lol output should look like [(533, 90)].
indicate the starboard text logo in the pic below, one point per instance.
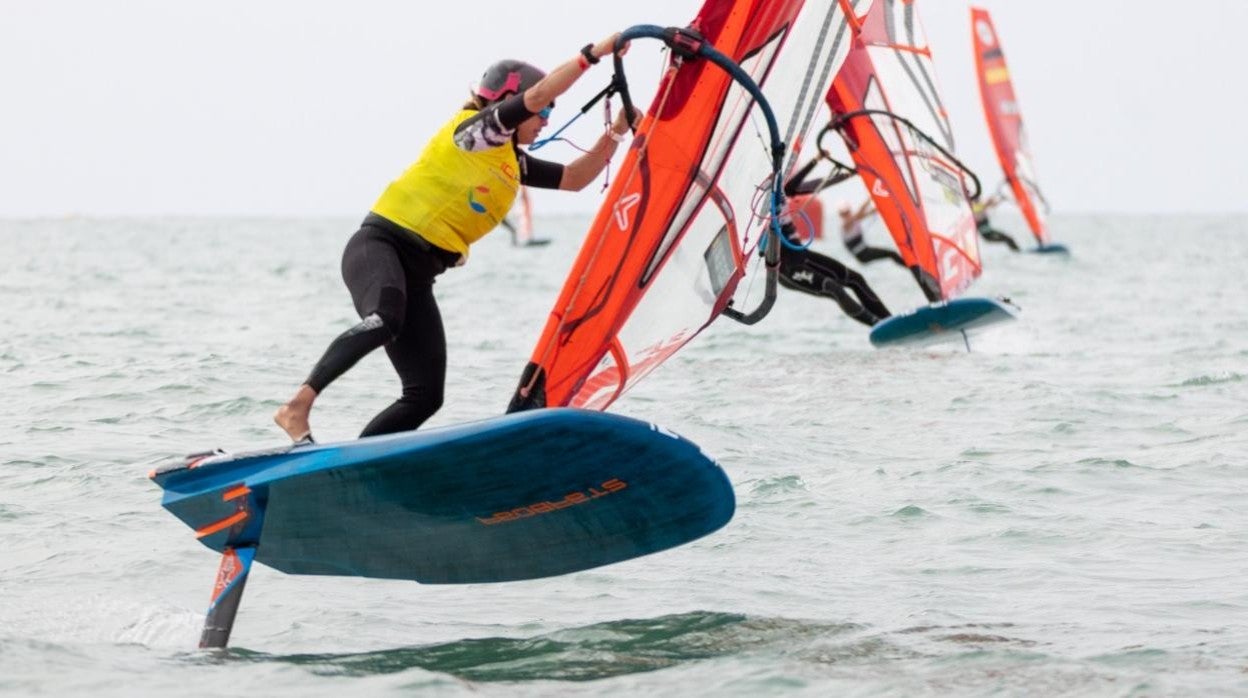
[(571, 499)]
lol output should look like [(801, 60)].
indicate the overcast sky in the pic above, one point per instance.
[(298, 107)]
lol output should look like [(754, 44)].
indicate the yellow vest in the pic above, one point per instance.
[(452, 197)]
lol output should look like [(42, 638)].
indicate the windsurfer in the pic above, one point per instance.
[(459, 189), (819, 275), (511, 229), (851, 233), (521, 230), (980, 208)]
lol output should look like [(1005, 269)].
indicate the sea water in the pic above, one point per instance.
[(1059, 511)]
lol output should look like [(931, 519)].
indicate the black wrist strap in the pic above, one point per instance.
[(588, 52)]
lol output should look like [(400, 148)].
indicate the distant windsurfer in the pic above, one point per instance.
[(459, 189), (819, 275), (852, 233), (522, 232), (511, 229), (980, 208)]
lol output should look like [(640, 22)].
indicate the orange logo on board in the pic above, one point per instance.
[(571, 499), (226, 573)]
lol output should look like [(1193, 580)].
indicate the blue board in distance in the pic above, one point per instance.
[(527, 495), (1056, 248), (940, 322)]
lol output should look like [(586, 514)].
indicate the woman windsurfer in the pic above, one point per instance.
[(459, 189)]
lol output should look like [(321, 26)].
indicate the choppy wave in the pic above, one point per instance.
[(1056, 512), (1214, 379), (593, 652)]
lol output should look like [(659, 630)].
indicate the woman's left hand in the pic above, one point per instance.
[(620, 125), (607, 46)]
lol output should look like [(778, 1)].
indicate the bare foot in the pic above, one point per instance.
[(293, 416)]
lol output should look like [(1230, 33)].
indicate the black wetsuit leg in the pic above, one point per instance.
[(867, 255), (419, 356), (390, 277), (987, 232), (511, 229), (992, 235), (374, 275), (819, 275)]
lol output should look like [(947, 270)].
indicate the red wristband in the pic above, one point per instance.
[(584, 64)]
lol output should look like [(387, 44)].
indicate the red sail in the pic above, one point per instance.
[(675, 232), (919, 192), (1005, 122)]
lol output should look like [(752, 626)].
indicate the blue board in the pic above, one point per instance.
[(1052, 248), (527, 495), (940, 321)]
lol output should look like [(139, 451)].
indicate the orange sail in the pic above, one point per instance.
[(1005, 122), (906, 163), (672, 239)]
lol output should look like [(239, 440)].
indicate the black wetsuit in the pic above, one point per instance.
[(866, 254), (820, 275), (991, 234), (390, 274), (390, 271), (511, 229), (798, 185)]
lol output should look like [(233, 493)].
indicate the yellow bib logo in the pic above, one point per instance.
[(472, 201)]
